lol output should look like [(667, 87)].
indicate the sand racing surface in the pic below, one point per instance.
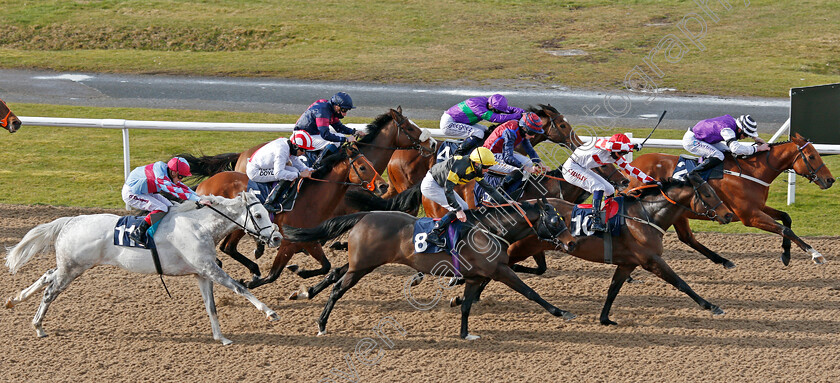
[(782, 324)]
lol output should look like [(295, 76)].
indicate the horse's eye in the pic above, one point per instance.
[(258, 216), (811, 157), (362, 168)]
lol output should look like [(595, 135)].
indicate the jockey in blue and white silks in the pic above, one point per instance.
[(142, 190), (322, 114), (712, 137)]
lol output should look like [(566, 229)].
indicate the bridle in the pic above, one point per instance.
[(4, 123), (367, 185), (543, 232), (812, 172), (249, 217), (416, 144)]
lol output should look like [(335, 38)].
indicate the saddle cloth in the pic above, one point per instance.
[(423, 227), (687, 163), (581, 225), (446, 149), (127, 224)]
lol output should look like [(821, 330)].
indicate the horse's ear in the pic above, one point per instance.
[(399, 109)]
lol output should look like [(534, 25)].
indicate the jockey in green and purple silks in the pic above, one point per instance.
[(462, 120)]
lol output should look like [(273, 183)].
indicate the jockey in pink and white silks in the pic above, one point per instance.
[(462, 119), (711, 138), (577, 170), (142, 191), (279, 160)]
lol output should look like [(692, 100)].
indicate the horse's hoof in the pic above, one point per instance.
[(416, 279), (273, 317), (785, 259), (455, 302), (471, 337), (634, 280), (225, 341), (293, 268), (608, 322), (293, 296), (729, 265), (9, 303), (717, 311), (40, 332), (568, 316), (819, 260), (322, 332)]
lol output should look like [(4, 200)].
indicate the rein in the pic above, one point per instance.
[(710, 213), (812, 172), (552, 237), (369, 186), (416, 143), (249, 217)]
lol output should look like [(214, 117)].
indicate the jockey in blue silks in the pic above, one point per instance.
[(144, 185), (322, 114)]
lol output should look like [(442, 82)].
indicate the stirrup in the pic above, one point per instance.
[(437, 240)]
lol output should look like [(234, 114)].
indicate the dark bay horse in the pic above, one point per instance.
[(317, 199), (378, 238), (747, 194), (649, 214), (8, 120), (407, 168)]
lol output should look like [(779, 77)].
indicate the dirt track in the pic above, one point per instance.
[(781, 324)]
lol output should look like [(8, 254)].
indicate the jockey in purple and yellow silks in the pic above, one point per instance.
[(142, 190), (462, 120), (711, 138), (322, 114)]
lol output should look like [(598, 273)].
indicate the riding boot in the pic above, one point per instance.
[(710, 163), (437, 236), (511, 181), (597, 220), (274, 202), (468, 145), (329, 149), (138, 235)]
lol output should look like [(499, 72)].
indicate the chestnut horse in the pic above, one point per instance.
[(8, 120), (744, 189), (378, 238), (408, 168), (316, 201), (648, 215)]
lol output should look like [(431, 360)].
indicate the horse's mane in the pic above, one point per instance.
[(190, 205), (328, 162), (375, 127), (666, 184)]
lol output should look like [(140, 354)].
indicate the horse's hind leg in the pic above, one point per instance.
[(228, 247), (539, 270), (57, 282), (686, 236), (316, 251), (331, 278), (206, 287), (622, 273), (656, 265), (505, 275), (43, 281), (347, 281)]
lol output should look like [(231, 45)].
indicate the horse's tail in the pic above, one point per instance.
[(407, 201), (327, 230), (37, 240), (206, 166)]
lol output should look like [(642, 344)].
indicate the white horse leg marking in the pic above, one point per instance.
[(27, 292), (471, 337), (217, 275), (206, 287), (816, 256)]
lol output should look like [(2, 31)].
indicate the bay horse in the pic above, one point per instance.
[(744, 189), (186, 241), (407, 168), (317, 199), (378, 238), (8, 120), (648, 214)]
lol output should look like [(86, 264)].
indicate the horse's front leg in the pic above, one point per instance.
[(785, 218), (686, 236), (206, 287), (228, 247), (215, 274), (542, 266), (284, 254), (762, 221), (316, 251)]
